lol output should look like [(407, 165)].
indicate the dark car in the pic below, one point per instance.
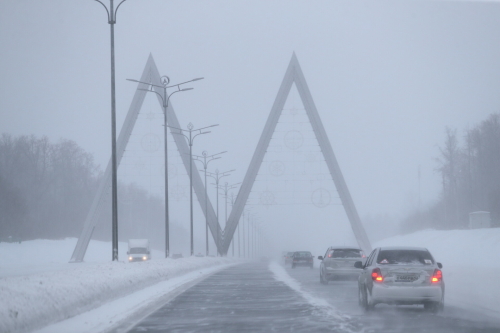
[(302, 258)]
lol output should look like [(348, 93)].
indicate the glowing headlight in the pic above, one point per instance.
[(144, 258), (130, 258)]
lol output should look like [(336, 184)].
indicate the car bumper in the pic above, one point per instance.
[(406, 294), (138, 259), (302, 263), (354, 272)]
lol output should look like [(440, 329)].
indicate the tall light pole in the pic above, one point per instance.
[(217, 176), (165, 80), (114, 192), (232, 205), (190, 138), (205, 159)]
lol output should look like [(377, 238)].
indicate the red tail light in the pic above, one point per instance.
[(437, 276), (377, 275)]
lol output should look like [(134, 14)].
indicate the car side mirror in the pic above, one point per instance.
[(320, 257), (128, 252), (358, 264), (440, 265)]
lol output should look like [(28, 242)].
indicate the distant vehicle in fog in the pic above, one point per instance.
[(338, 262), (401, 275), (138, 250), (176, 256), (302, 258), (287, 258)]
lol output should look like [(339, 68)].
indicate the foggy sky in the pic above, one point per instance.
[(387, 77)]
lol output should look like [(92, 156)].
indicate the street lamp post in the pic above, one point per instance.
[(114, 192), (205, 159), (190, 138), (165, 80), (232, 205), (217, 176)]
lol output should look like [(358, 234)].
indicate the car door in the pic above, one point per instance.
[(363, 277), (327, 260)]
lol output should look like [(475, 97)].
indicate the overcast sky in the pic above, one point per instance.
[(387, 77)]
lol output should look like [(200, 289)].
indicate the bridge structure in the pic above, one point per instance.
[(223, 237)]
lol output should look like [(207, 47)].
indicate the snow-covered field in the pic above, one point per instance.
[(471, 265), (38, 286)]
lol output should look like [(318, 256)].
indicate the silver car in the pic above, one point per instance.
[(401, 275), (338, 262)]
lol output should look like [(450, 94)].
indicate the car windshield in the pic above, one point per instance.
[(138, 250), (302, 254), (405, 257), (346, 253)]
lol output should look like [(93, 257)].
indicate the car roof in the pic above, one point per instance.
[(414, 248), (344, 248)]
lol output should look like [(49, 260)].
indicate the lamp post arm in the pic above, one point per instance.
[(192, 140), (116, 10), (178, 84), (107, 11), (151, 90), (168, 98), (180, 134), (216, 158)]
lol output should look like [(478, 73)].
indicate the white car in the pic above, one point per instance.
[(401, 275), (338, 262)]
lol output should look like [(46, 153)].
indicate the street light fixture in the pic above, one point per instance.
[(205, 159), (114, 192), (190, 138), (165, 80), (217, 176)]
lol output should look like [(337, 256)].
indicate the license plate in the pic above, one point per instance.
[(406, 278)]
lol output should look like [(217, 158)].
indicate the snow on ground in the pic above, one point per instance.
[(281, 275), (471, 268), (39, 287)]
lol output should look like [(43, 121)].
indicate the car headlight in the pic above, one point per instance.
[(144, 258), (130, 258)]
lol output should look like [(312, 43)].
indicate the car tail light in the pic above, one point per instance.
[(377, 275), (437, 276)]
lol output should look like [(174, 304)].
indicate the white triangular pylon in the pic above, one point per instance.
[(150, 74), (294, 75)]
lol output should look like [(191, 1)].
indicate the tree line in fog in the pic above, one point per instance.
[(46, 190), (470, 178)]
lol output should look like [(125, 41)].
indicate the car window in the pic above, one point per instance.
[(405, 257), (302, 254), (345, 253), (138, 250)]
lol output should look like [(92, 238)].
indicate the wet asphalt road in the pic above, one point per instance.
[(246, 298), (342, 294)]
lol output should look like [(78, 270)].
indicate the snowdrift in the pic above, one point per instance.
[(40, 298)]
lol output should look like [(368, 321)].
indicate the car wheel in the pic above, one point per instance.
[(361, 298), (322, 279), (435, 307), (366, 300)]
